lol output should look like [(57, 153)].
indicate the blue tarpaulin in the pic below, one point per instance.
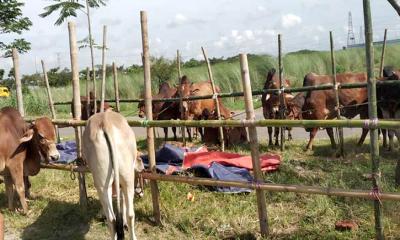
[(67, 152)]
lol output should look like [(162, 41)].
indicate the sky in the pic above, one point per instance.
[(223, 27)]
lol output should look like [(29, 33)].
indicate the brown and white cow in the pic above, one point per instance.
[(163, 110), (320, 105), (22, 148), (271, 103), (109, 148)]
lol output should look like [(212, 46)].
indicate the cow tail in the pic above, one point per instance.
[(119, 222)]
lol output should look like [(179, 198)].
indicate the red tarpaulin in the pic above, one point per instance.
[(269, 162)]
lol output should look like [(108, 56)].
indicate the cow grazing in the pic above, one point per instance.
[(321, 105), (271, 103), (389, 101), (22, 148), (109, 148), (163, 110)]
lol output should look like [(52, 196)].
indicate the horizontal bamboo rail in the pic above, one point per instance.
[(255, 93), (250, 185), (346, 123)]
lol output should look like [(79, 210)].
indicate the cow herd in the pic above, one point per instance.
[(109, 144)]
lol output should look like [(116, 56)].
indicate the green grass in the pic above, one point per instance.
[(226, 75), (55, 213)]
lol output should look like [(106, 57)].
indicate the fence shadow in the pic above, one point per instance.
[(61, 220)]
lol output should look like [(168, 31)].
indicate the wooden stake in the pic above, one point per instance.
[(116, 88), (282, 105), (88, 106), (221, 130), (383, 54), (149, 115), (178, 63), (372, 109), (255, 155), (92, 56), (77, 108), (336, 89), (103, 72), (18, 84)]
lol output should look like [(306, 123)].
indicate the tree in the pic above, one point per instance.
[(162, 69), (12, 21)]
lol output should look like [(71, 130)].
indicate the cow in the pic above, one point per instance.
[(22, 148), (87, 112), (271, 103), (109, 148), (389, 101), (198, 109), (163, 110), (321, 104)]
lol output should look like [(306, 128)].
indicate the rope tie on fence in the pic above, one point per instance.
[(145, 123), (371, 123), (256, 185), (72, 173), (281, 90), (375, 194), (215, 96), (336, 86)]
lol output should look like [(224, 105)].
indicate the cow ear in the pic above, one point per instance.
[(27, 136)]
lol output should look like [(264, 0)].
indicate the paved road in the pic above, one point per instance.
[(298, 133)]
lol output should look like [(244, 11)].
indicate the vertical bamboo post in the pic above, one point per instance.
[(103, 72), (216, 100), (92, 56), (116, 87), (255, 155), (178, 63), (77, 108), (336, 89), (372, 110), (383, 54), (282, 106), (18, 85), (88, 106), (50, 98), (149, 114)]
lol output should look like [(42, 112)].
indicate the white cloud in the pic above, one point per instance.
[(249, 34), (290, 20), (261, 8), (180, 18), (234, 33)]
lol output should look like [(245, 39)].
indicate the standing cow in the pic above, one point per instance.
[(321, 104), (109, 148), (22, 148)]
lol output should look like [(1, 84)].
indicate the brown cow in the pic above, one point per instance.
[(87, 113), (320, 105), (271, 103), (198, 109), (163, 110), (22, 148)]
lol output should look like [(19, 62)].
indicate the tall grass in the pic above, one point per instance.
[(226, 74)]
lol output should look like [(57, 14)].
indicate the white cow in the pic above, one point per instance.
[(109, 147)]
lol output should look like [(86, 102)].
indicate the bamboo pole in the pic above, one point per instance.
[(50, 98), (18, 84), (103, 72), (282, 106), (178, 63), (116, 88), (92, 56), (77, 108), (383, 54), (88, 110), (345, 123), (336, 89), (216, 100), (149, 115), (372, 109), (353, 193), (255, 93), (255, 155)]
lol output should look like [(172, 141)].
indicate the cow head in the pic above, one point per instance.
[(43, 135)]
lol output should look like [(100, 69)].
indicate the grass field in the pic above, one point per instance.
[(55, 213), (226, 74)]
